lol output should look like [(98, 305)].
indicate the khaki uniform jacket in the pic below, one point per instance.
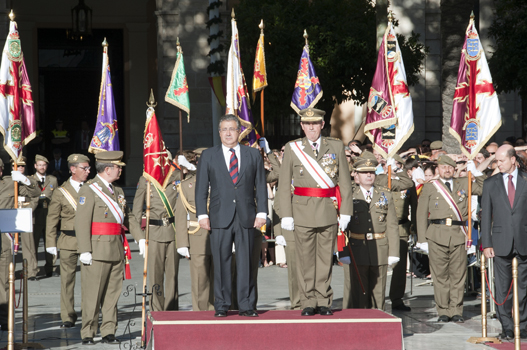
[(91, 208), (157, 208), (60, 210), (46, 191), (403, 182), (198, 242), (273, 174), (7, 191), (433, 206), (375, 217), (314, 211), (405, 204)]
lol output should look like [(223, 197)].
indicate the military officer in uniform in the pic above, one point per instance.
[(441, 215), (101, 212), (374, 237), (47, 184), (62, 209), (163, 260), (29, 250), (193, 243), (315, 165), (405, 202), (26, 188)]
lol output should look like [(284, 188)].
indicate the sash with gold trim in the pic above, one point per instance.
[(448, 197), (68, 197), (166, 204)]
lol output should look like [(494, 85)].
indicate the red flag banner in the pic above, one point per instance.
[(157, 167)]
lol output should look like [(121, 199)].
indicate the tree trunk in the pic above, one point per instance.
[(455, 16)]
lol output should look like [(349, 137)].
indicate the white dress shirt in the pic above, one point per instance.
[(364, 192), (76, 185), (106, 183), (506, 179), (317, 142), (451, 182), (40, 177)]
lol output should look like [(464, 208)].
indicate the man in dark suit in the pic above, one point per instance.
[(238, 204), (503, 223)]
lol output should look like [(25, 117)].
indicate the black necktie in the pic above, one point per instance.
[(315, 149), (448, 186)]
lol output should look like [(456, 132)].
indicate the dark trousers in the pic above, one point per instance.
[(221, 240), (503, 279)]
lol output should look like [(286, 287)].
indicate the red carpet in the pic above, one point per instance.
[(506, 345), (346, 329)]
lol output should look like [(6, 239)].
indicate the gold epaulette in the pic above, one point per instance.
[(89, 182), (332, 138), (382, 188)]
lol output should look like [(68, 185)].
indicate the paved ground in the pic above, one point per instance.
[(419, 327)]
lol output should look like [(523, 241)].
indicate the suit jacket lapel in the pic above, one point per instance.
[(504, 196), (221, 158), (520, 184), (244, 155), (106, 190)]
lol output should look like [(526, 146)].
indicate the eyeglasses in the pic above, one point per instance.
[(85, 168), (425, 145), (282, 150), (229, 129)]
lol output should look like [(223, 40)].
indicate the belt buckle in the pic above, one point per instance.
[(369, 236), (448, 221), (165, 221)]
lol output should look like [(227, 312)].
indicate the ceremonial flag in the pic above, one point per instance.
[(17, 114), (389, 118), (219, 87), (237, 94), (476, 112), (307, 87), (177, 93), (260, 74), (105, 135), (157, 167)]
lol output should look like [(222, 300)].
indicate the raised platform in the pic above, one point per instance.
[(346, 329)]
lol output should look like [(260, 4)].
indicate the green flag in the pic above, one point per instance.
[(177, 93)]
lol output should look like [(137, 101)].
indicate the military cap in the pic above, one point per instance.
[(20, 161), (366, 164), (436, 145), (42, 158), (200, 150), (311, 115), (446, 160), (78, 158), (367, 155), (399, 159), (112, 157)]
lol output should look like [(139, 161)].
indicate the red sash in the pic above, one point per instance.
[(315, 191), (114, 229)]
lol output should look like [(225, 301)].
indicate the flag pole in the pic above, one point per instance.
[(262, 26), (15, 250), (180, 142), (469, 237)]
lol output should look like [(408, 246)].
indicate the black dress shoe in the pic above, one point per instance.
[(55, 274), (325, 311), (220, 313), (88, 341), (308, 311), (457, 319), (443, 318), (248, 313), (402, 307), (49, 274), (110, 339), (507, 335), (67, 324), (34, 278)]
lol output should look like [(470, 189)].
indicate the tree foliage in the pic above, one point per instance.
[(342, 41), (508, 63)]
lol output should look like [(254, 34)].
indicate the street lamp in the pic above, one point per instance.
[(81, 20)]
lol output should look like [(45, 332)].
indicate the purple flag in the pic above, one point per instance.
[(307, 87), (237, 95), (105, 135)]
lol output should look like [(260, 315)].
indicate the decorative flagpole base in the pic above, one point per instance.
[(482, 340)]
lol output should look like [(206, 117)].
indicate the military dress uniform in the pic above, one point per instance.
[(62, 209), (7, 201), (163, 260), (374, 236), (437, 224), (190, 235), (98, 233), (47, 188), (315, 216)]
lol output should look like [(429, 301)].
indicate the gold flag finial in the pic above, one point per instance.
[(178, 45), (472, 15), (104, 43), (261, 26), (232, 14), (151, 101), (12, 15), (305, 35), (390, 16)]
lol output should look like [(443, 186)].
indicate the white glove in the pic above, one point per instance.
[(288, 223), (280, 240), (141, 244), (183, 252), (52, 250), (345, 259), (183, 161), (392, 260), (264, 145), (344, 220), (391, 162), (472, 168), (422, 246), (18, 177), (85, 258)]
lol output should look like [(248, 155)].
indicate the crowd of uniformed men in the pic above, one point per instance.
[(323, 187)]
